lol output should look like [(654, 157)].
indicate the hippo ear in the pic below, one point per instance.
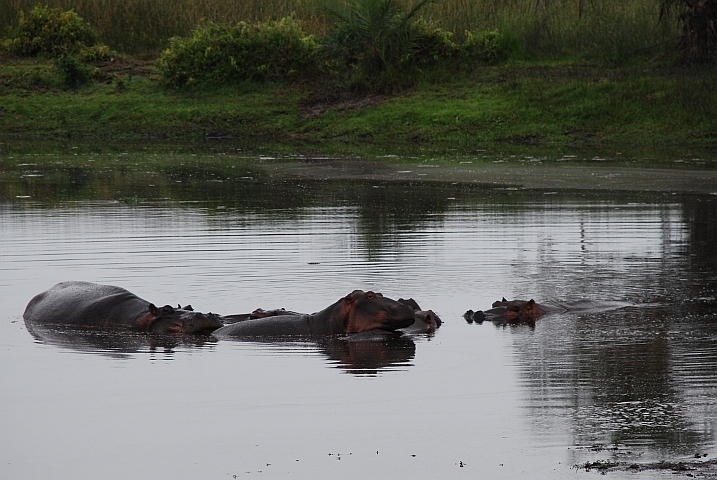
[(188, 307), (349, 298), (531, 303), (153, 309), (504, 300), (167, 310)]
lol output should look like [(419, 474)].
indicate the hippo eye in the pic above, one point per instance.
[(167, 310), (370, 296)]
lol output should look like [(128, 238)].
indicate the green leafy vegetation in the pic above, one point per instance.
[(71, 72), (378, 42), (220, 53), (53, 32)]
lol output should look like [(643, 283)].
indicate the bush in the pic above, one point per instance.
[(71, 72), (382, 48), (49, 31), (430, 45), (375, 40), (220, 53), (484, 47)]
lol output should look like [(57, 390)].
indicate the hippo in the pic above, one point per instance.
[(84, 304), (357, 312), (424, 321), (521, 311)]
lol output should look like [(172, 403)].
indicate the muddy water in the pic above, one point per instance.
[(232, 232)]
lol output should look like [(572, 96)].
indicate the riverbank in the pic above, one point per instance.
[(559, 104)]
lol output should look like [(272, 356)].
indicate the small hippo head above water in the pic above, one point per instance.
[(168, 320), (514, 311), (517, 310)]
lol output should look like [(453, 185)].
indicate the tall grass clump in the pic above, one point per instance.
[(612, 31), (222, 53)]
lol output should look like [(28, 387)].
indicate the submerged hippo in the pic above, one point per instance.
[(357, 312), (424, 321), (521, 311), (85, 304)]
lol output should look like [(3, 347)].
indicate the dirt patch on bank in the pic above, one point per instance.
[(317, 104)]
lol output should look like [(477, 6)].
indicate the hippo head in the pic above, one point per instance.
[(425, 321), (519, 310), (185, 320), (366, 311), (429, 318)]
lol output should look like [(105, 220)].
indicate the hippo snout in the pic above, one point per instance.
[(401, 315)]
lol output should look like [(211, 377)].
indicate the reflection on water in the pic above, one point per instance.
[(112, 343), (393, 352), (633, 384)]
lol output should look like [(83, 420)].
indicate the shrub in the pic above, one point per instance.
[(71, 72), (49, 31), (375, 39), (483, 47), (430, 45), (219, 53)]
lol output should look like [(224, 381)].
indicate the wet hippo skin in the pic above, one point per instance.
[(357, 312), (85, 304)]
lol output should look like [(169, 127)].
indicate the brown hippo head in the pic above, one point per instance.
[(185, 320), (364, 311), (518, 310)]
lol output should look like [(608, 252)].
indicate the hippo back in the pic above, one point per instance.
[(85, 304), (272, 327)]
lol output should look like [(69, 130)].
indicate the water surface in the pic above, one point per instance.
[(229, 231)]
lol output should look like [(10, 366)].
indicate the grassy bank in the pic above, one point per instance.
[(548, 104)]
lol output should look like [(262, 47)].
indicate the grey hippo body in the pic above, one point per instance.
[(84, 304), (357, 312)]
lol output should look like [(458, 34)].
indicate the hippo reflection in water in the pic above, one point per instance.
[(357, 312), (522, 311), (84, 304)]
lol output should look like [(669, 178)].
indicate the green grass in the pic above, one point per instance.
[(542, 105), (519, 104)]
